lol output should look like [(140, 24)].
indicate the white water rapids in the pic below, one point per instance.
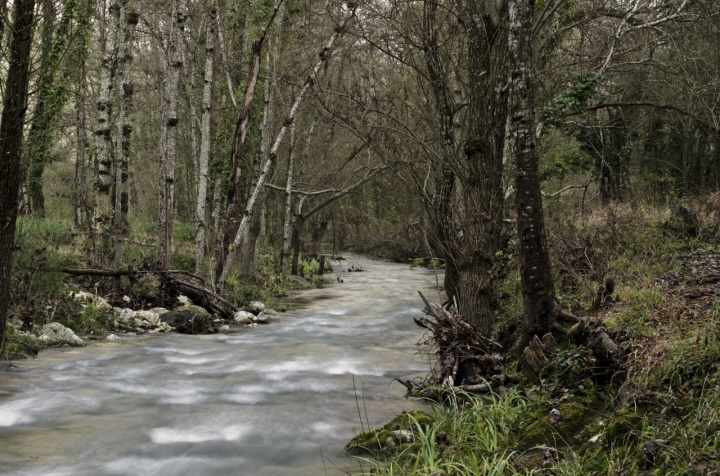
[(274, 400)]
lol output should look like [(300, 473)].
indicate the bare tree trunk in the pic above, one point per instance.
[(250, 241), (538, 289), (169, 130), (259, 187), (11, 143), (232, 210), (126, 38), (3, 14), (285, 251), (81, 191), (200, 215), (103, 181)]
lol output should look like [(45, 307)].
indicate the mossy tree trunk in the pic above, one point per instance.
[(11, 142)]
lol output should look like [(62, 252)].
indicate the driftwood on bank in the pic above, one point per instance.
[(202, 296), (467, 360)]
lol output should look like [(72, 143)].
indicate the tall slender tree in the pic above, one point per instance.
[(166, 186), (200, 214), (12, 123)]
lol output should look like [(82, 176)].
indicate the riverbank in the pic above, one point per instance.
[(275, 399), (655, 412)]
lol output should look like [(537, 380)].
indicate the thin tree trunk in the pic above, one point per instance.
[(126, 34), (259, 187), (232, 209), (81, 192), (200, 215), (538, 289), (102, 135), (11, 143), (250, 243), (285, 251), (169, 130)]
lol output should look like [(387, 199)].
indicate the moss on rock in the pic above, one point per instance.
[(399, 434)]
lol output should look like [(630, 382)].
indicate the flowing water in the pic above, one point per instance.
[(275, 400)]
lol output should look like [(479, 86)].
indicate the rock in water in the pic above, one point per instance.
[(153, 318), (57, 334), (244, 317), (187, 320), (299, 282), (261, 318)]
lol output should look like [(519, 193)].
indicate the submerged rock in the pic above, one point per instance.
[(56, 334)]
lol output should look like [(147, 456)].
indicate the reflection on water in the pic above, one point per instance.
[(267, 401)]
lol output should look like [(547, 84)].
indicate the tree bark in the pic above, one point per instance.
[(285, 250), (169, 129), (538, 289), (102, 136), (126, 33), (232, 210), (200, 215), (51, 96), (81, 191), (11, 143), (259, 187)]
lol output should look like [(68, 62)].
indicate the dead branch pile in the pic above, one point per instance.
[(467, 360)]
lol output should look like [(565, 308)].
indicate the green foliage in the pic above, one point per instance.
[(581, 89), (85, 318)]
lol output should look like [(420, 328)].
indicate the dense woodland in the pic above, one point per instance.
[(558, 159)]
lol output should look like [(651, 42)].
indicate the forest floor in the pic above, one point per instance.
[(656, 412)]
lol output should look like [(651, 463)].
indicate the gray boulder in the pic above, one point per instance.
[(56, 334), (257, 305), (244, 317), (261, 318), (153, 318)]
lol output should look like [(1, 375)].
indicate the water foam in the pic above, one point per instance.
[(164, 436)]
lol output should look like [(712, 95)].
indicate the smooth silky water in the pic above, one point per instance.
[(275, 400)]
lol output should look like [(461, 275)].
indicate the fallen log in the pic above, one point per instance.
[(204, 297)]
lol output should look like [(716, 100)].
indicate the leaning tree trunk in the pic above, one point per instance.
[(11, 142), (126, 33), (169, 120), (538, 289), (259, 187), (250, 242), (200, 215), (237, 155)]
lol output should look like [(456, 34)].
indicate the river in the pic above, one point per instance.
[(275, 400)]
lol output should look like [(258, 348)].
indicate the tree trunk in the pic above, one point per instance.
[(11, 143), (296, 243), (81, 192), (285, 250), (252, 201), (51, 97), (200, 215), (169, 129), (232, 210), (126, 34), (102, 136), (538, 289)]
